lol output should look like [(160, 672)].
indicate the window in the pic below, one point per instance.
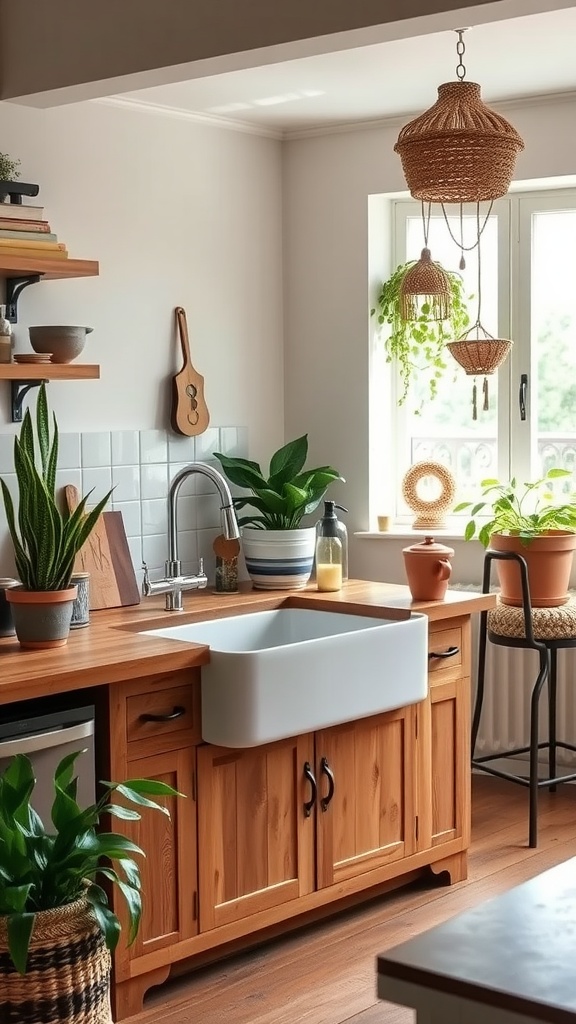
[(528, 285)]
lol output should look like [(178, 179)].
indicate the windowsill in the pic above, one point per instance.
[(400, 532)]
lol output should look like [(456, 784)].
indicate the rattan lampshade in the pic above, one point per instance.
[(429, 281), (458, 151)]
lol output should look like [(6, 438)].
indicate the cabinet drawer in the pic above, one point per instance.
[(445, 654), (170, 710)]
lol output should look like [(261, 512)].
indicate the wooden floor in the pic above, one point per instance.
[(325, 974)]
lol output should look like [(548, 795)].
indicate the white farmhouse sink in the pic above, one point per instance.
[(274, 674)]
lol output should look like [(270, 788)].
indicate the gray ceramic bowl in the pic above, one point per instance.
[(62, 343)]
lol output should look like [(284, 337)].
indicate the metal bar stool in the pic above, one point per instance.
[(544, 630)]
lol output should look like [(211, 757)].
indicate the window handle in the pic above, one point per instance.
[(522, 395)]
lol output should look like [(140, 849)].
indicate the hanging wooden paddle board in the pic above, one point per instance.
[(189, 410)]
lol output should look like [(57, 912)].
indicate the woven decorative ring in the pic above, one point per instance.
[(430, 514)]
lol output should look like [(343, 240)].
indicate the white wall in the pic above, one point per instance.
[(327, 182), (177, 213)]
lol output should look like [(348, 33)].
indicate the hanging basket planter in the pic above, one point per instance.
[(427, 281), (479, 356), (459, 150)]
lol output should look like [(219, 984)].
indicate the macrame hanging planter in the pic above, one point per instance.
[(477, 352), (460, 150)]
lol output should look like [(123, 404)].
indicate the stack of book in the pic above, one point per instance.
[(25, 233)]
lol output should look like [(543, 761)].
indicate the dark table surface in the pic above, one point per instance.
[(516, 951)]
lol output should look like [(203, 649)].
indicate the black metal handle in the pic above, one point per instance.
[(176, 712), (449, 653), (523, 394), (327, 771), (309, 774)]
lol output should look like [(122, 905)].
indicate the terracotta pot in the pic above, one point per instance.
[(41, 618), (549, 560), (428, 569)]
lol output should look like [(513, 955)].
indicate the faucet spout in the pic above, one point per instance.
[(229, 522)]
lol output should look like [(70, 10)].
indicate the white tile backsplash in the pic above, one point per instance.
[(154, 481), (99, 480), (126, 482), (181, 449), (153, 446), (125, 448), (140, 465), (96, 450)]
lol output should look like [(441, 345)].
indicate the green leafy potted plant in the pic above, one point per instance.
[(9, 171), (529, 519), (46, 540), (279, 553), (418, 346), (56, 926)]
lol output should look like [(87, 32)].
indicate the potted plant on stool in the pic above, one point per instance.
[(46, 540), (56, 927), (531, 521), (279, 553)]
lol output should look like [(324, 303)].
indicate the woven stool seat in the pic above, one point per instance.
[(548, 623)]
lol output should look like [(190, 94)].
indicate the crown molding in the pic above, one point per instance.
[(398, 121), (211, 120), (288, 135)]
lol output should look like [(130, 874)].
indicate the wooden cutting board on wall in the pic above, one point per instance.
[(106, 556)]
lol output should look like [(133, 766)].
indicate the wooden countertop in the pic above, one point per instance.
[(515, 952), (110, 649)]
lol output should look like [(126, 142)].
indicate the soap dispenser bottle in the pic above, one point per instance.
[(328, 550), (341, 532)]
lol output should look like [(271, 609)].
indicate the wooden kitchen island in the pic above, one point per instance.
[(248, 853)]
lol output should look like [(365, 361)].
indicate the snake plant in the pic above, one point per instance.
[(48, 865), (290, 491), (46, 540)]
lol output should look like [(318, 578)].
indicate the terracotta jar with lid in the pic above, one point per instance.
[(428, 569)]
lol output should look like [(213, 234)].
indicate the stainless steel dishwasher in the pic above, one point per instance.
[(46, 736)]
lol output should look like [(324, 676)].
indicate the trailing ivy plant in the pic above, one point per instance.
[(418, 346), (43, 867)]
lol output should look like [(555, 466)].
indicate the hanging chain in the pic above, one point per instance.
[(467, 248), (460, 50)]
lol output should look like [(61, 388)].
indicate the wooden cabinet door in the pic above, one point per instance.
[(369, 819), (169, 873), (444, 741), (255, 843)]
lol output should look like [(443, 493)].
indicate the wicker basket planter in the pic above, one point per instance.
[(479, 356), (458, 151), (68, 971)]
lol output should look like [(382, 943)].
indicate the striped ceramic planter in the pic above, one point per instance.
[(279, 559)]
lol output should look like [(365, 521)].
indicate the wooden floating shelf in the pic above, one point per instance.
[(49, 371), (50, 269)]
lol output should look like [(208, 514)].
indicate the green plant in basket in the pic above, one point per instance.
[(524, 510), (46, 540), (287, 494), (43, 868), (418, 346)]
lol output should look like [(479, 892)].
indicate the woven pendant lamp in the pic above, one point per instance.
[(459, 150), (427, 281)]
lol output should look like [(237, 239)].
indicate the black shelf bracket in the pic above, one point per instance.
[(20, 389), (14, 288)]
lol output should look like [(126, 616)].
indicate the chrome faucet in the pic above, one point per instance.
[(174, 583)]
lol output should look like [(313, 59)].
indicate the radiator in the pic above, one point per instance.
[(510, 676)]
